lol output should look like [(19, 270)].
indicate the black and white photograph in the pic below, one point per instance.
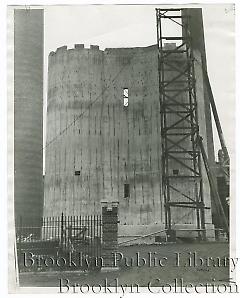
[(121, 149)]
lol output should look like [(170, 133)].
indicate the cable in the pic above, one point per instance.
[(158, 232), (99, 96), (79, 116), (93, 102)]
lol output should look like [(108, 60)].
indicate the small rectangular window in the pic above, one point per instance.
[(175, 172), (77, 173), (126, 191), (125, 97)]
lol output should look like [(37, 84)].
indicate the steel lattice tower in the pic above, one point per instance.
[(179, 121)]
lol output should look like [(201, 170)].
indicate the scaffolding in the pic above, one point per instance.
[(179, 121)]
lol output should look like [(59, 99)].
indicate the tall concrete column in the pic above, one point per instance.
[(28, 113)]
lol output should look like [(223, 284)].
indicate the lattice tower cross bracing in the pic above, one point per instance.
[(179, 121)]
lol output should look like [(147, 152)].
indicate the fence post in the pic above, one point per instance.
[(109, 235), (61, 237)]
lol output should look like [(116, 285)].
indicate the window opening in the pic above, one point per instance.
[(126, 190), (125, 97)]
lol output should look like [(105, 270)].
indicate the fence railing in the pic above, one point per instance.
[(61, 235)]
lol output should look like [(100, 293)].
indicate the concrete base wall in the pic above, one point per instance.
[(130, 232)]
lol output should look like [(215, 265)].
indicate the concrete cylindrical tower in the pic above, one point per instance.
[(108, 151)]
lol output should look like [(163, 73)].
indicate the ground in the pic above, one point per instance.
[(196, 271)]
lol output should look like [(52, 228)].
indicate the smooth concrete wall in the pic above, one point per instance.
[(28, 113)]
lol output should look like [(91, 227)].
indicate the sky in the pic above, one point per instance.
[(135, 25)]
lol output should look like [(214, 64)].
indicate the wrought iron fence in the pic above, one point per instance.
[(62, 236)]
